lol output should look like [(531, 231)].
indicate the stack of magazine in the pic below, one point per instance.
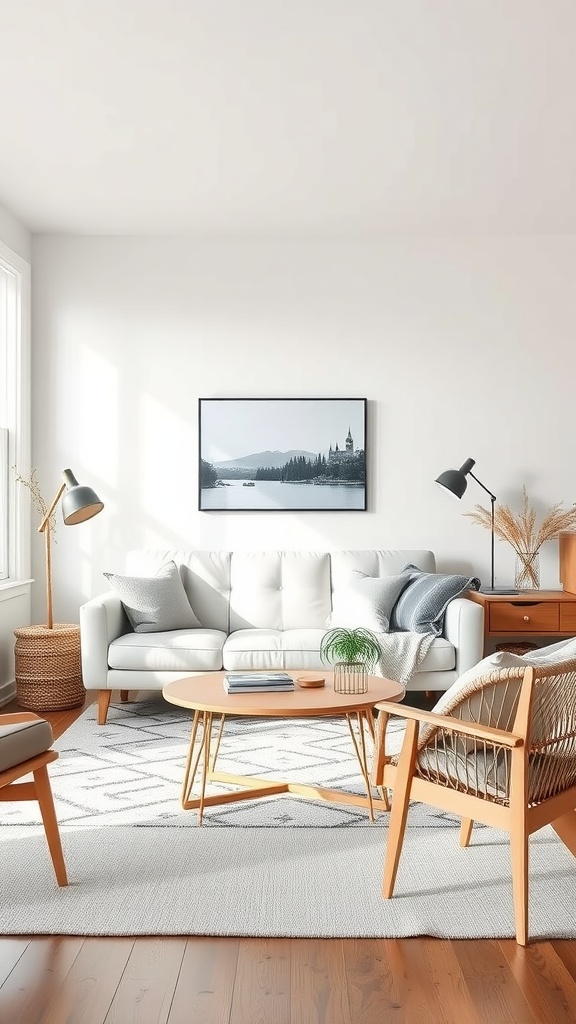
[(257, 682)]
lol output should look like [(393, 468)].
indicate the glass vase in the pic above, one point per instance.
[(350, 677), (527, 575)]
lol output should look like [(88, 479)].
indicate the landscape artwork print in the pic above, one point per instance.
[(282, 454)]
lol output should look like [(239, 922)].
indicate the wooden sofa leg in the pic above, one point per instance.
[(104, 698), (123, 696)]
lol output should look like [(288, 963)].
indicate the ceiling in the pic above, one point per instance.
[(265, 117)]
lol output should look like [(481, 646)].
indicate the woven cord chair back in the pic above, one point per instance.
[(482, 768)]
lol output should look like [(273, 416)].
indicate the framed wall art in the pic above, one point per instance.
[(282, 454)]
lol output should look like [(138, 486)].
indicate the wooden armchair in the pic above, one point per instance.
[(505, 756)]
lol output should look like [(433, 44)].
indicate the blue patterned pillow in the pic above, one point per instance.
[(422, 604)]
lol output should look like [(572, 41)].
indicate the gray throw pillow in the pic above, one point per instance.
[(422, 604), (156, 603), (368, 602)]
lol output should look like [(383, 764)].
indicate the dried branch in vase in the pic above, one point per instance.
[(38, 500), (519, 529)]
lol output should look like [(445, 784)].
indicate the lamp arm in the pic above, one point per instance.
[(484, 488), (45, 529), (46, 519)]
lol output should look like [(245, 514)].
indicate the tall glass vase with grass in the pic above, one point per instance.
[(354, 654)]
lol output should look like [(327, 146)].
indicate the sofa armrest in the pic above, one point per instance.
[(102, 620), (464, 629)]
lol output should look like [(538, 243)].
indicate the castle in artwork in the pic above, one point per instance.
[(337, 455)]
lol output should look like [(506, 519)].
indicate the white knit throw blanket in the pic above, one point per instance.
[(402, 653)]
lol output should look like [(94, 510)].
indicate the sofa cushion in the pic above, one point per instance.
[(422, 604), (274, 649), (179, 650), (440, 658), (300, 648), (368, 602), (157, 603)]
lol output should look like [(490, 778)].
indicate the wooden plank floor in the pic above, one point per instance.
[(74, 980)]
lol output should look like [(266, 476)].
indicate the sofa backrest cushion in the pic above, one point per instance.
[(279, 589), (272, 589)]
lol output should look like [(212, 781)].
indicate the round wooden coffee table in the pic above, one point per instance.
[(206, 696)]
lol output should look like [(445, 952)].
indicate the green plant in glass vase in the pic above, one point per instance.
[(354, 654), (522, 533)]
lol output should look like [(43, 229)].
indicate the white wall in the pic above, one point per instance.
[(15, 235), (464, 347)]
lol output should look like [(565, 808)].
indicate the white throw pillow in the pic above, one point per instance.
[(368, 602), (157, 603)]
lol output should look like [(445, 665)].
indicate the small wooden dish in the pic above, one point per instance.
[(310, 681)]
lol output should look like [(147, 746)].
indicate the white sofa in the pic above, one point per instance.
[(258, 610)]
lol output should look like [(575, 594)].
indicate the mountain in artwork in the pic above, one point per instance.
[(261, 460)]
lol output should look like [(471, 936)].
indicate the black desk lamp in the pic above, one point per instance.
[(455, 482)]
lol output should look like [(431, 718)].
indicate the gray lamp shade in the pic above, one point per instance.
[(454, 480), (78, 503)]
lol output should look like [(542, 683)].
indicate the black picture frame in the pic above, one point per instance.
[(315, 449)]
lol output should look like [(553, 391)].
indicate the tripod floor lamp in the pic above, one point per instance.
[(47, 658), (454, 481)]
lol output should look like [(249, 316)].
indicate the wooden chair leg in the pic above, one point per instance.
[(378, 764), (519, 856), (466, 826), (400, 804), (123, 696), (104, 698), (565, 827), (46, 802)]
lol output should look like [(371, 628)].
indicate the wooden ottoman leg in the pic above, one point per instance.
[(46, 802)]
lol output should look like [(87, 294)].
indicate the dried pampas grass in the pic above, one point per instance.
[(519, 529)]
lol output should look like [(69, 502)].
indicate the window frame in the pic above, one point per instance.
[(15, 368)]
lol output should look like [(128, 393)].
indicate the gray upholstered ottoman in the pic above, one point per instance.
[(25, 748)]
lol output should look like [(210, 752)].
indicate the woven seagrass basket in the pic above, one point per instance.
[(522, 647), (48, 667)]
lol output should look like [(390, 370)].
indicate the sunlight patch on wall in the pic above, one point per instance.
[(97, 399), (167, 478)]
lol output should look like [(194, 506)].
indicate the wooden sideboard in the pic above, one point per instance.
[(532, 613)]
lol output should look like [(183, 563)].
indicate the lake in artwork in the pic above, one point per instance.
[(274, 495)]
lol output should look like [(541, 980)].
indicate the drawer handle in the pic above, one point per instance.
[(526, 618)]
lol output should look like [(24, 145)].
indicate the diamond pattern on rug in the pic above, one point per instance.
[(130, 771)]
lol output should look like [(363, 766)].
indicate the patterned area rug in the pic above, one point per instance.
[(130, 772), (282, 866)]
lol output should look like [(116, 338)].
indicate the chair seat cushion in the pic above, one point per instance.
[(19, 741), (177, 650)]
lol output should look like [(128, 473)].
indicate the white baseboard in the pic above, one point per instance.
[(7, 692)]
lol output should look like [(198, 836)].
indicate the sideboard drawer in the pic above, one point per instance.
[(539, 617), (568, 617)]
